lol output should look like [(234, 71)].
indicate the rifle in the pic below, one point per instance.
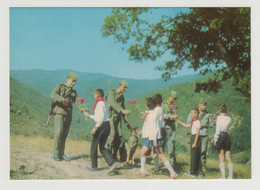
[(53, 105)]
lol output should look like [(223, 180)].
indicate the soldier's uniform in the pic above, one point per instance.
[(116, 104), (63, 115), (206, 122), (169, 130)]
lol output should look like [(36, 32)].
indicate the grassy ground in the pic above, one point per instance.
[(31, 158)]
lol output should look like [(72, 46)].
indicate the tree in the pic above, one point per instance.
[(215, 41)]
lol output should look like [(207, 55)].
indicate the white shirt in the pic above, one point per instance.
[(150, 126), (101, 113), (159, 121), (222, 125), (195, 127)]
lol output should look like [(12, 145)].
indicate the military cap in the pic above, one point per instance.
[(202, 101), (124, 83), (174, 94), (72, 76)]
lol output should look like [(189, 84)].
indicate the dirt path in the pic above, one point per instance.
[(31, 158)]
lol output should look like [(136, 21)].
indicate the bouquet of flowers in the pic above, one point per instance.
[(81, 104)]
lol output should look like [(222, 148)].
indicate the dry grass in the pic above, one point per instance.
[(31, 158)]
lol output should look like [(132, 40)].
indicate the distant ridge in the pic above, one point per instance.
[(45, 81)]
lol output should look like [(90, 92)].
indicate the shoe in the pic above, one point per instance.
[(57, 158), (175, 176), (112, 168), (68, 159), (189, 174), (91, 169)]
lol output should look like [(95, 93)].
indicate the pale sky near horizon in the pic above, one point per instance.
[(71, 38)]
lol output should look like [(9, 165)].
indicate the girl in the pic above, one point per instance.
[(151, 135), (222, 141)]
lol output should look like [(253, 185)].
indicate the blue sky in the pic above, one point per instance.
[(70, 38)]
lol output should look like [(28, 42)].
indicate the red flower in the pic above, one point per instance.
[(81, 100)]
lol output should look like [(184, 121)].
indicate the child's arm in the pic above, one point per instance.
[(183, 124), (196, 139)]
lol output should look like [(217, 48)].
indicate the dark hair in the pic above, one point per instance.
[(157, 98), (150, 103), (99, 92), (222, 108), (195, 109)]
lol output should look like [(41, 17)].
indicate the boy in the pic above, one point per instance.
[(100, 132), (194, 142)]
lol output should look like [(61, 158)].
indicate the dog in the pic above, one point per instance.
[(128, 148)]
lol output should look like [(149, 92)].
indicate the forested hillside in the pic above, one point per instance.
[(44, 81)]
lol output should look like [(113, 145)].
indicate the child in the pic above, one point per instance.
[(194, 142), (222, 141), (151, 135), (100, 132)]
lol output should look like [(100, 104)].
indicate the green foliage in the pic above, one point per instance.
[(205, 39), (187, 99)]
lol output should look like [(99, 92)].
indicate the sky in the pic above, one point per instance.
[(71, 38)]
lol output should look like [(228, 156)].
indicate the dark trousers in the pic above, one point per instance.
[(100, 139), (194, 156), (61, 130)]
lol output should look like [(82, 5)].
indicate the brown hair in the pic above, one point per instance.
[(222, 108)]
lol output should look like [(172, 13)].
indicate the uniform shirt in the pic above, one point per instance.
[(150, 127), (167, 110), (222, 125), (205, 120), (195, 126), (116, 102), (101, 113), (63, 91)]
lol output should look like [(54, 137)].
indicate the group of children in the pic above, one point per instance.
[(151, 133)]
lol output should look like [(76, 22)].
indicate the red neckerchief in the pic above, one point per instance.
[(143, 118), (224, 114), (100, 99), (157, 106), (195, 119)]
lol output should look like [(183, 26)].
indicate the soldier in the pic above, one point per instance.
[(117, 112), (168, 131), (205, 123), (63, 97)]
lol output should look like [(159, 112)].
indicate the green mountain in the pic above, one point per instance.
[(45, 81), (28, 110)]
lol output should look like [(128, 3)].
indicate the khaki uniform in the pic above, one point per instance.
[(116, 104), (63, 116), (169, 133)]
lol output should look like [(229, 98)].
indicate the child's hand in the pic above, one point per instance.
[(193, 146), (93, 131), (86, 114), (215, 143)]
